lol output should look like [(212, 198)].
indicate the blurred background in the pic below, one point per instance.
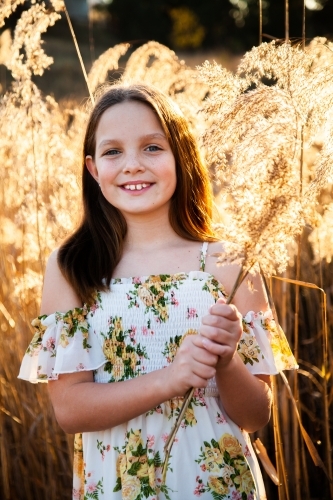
[(195, 29)]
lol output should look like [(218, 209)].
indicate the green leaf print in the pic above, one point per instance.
[(118, 485), (93, 490), (157, 460), (154, 294), (133, 470), (123, 358)]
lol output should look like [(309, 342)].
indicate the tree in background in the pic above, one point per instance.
[(190, 24)]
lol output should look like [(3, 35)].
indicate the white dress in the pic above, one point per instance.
[(131, 330)]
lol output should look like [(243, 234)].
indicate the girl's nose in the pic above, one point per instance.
[(133, 164)]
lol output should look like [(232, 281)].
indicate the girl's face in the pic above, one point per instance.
[(133, 163)]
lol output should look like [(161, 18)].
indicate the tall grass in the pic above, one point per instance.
[(39, 195)]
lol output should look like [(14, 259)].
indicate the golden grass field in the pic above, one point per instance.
[(265, 127)]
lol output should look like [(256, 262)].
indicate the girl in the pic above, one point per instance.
[(139, 282)]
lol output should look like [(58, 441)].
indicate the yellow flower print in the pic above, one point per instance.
[(175, 403), (118, 369), (245, 481), (172, 350), (249, 350), (190, 417), (190, 331), (216, 485), (145, 295), (151, 475), (121, 465), (123, 354), (131, 487), (213, 458), (215, 288), (143, 471), (118, 326), (229, 443), (110, 349), (63, 340), (130, 356), (134, 440)]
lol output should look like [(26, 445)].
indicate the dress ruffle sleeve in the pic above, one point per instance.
[(263, 346), (63, 343)]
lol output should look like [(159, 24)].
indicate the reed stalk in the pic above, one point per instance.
[(283, 490), (286, 21), (79, 54), (243, 272)]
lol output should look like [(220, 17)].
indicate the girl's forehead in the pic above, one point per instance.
[(133, 115)]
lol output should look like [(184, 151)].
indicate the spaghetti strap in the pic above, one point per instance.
[(203, 254)]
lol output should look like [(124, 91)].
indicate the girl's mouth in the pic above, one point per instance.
[(136, 187)]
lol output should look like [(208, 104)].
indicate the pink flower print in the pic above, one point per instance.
[(144, 330), (132, 332), (191, 313), (236, 495), (76, 494), (79, 367), (199, 488), (50, 344), (94, 307), (174, 301), (136, 281), (250, 496), (89, 474), (92, 487), (203, 467), (108, 447), (220, 419), (247, 452), (165, 438), (150, 441)]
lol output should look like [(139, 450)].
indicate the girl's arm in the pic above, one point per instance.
[(245, 397), (82, 405)]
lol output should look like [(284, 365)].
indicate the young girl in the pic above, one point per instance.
[(147, 320)]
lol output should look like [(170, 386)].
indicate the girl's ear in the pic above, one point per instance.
[(90, 164)]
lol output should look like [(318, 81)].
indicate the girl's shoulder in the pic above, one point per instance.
[(58, 294), (251, 295)]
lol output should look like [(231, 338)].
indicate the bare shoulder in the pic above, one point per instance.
[(58, 295), (251, 295)]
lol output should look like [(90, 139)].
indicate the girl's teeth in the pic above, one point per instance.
[(138, 187)]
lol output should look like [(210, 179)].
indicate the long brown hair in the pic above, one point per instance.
[(89, 256)]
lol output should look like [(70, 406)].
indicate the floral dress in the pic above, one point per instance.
[(136, 328)]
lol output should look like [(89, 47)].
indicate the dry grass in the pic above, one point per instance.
[(260, 140)]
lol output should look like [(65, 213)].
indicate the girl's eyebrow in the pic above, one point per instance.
[(155, 135)]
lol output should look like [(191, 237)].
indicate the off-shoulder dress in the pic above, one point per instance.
[(131, 330)]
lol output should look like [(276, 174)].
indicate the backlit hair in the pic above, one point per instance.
[(89, 256)]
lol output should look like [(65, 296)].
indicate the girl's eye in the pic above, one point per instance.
[(112, 152), (153, 148)]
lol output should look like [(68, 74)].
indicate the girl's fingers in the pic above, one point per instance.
[(228, 311)]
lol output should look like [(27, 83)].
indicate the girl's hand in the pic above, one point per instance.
[(193, 366), (221, 330)]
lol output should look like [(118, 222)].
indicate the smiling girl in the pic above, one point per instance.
[(141, 318)]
